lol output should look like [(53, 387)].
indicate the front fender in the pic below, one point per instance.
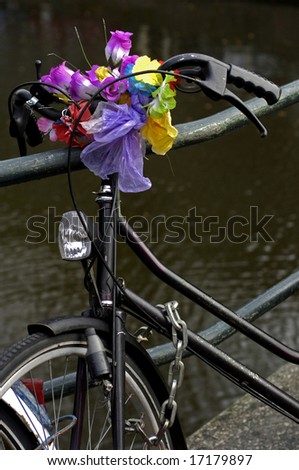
[(56, 326), (134, 350)]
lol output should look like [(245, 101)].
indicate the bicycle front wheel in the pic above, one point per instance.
[(38, 385)]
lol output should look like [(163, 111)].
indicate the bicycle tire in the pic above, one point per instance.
[(13, 433), (52, 359)]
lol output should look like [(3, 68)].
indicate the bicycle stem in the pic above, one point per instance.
[(104, 200)]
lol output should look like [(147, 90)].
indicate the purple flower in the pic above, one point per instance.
[(81, 87), (59, 76), (93, 76), (114, 91), (118, 46), (118, 146), (139, 103), (127, 64)]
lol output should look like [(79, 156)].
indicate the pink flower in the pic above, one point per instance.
[(118, 46), (45, 125)]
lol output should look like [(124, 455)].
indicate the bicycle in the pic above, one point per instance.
[(74, 374)]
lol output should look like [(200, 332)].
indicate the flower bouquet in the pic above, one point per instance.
[(112, 110)]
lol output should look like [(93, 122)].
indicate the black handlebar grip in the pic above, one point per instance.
[(46, 111), (253, 83)]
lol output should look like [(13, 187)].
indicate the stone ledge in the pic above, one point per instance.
[(249, 424)]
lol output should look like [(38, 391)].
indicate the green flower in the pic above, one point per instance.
[(164, 98)]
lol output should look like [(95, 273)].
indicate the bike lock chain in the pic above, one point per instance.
[(175, 373)]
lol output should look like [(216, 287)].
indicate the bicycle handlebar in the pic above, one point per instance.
[(196, 72)]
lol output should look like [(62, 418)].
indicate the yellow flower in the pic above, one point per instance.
[(160, 133), (145, 63), (102, 72)]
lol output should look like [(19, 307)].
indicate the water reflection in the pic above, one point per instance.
[(222, 178)]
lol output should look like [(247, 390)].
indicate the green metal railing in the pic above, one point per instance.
[(50, 163)]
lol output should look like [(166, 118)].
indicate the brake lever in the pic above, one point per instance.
[(17, 127), (214, 86), (241, 106), (213, 77)]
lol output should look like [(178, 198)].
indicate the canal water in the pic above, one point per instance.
[(208, 187)]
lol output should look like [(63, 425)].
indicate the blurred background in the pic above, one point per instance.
[(222, 178)]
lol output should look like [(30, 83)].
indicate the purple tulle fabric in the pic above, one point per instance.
[(118, 146)]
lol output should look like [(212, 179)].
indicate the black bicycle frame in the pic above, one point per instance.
[(236, 372), (118, 300)]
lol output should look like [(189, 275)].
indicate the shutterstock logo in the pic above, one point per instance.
[(236, 229), (174, 229)]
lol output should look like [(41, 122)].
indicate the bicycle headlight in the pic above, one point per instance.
[(73, 240)]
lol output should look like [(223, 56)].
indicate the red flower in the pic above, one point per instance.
[(67, 130)]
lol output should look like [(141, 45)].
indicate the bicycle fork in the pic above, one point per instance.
[(99, 370)]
